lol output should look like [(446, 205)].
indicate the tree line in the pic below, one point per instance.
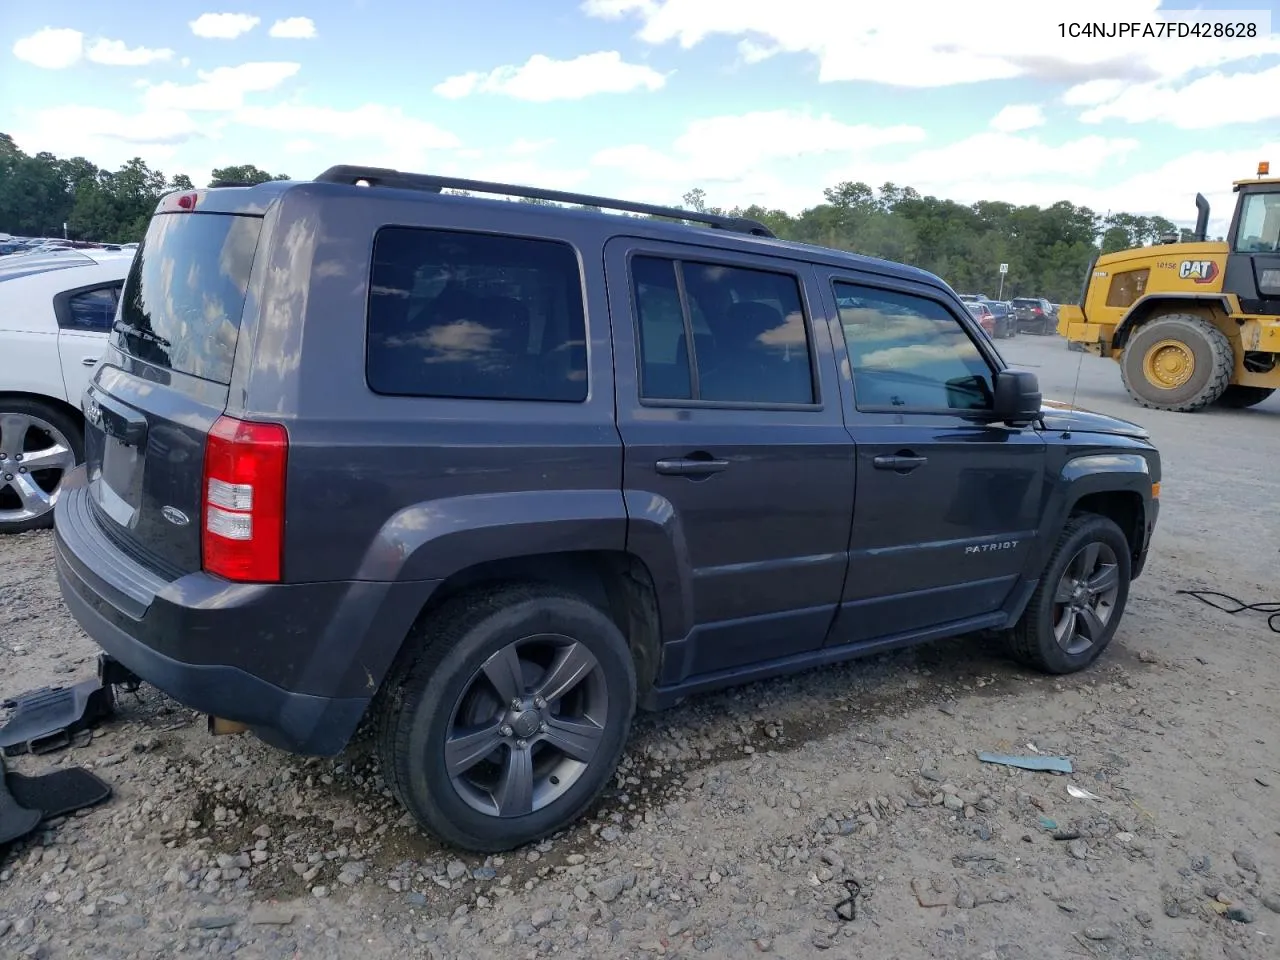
[(1047, 249), (45, 196)]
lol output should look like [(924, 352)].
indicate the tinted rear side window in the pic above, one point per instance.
[(185, 293), (475, 316)]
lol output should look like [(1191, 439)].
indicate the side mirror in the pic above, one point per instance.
[(1018, 398)]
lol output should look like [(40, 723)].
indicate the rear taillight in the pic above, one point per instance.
[(243, 524), (1036, 310)]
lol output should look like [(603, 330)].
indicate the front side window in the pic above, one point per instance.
[(749, 338), (475, 316), (1259, 224), (910, 353)]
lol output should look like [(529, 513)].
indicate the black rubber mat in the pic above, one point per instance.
[(16, 821), (45, 719), (58, 793)]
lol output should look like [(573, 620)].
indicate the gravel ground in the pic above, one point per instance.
[(737, 819)]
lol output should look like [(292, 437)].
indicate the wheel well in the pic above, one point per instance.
[(1124, 507), (56, 402), (617, 583), (1210, 309)]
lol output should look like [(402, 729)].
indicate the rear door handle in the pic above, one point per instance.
[(690, 467), (88, 361), (899, 462)]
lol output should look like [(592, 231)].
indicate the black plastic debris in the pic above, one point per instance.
[(26, 802), (45, 720), (16, 821)]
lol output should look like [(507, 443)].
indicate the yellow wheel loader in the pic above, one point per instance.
[(1195, 323)]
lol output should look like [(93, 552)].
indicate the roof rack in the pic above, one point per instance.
[(382, 177)]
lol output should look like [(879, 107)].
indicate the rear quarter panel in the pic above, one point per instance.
[(407, 488)]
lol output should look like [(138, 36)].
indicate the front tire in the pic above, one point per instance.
[(1081, 597), (39, 446), (1177, 362), (510, 717)]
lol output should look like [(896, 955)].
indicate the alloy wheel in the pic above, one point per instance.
[(526, 727), (34, 458), (1086, 598)]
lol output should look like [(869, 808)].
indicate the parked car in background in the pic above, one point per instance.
[(1005, 325), (1034, 315), (983, 314), (56, 311)]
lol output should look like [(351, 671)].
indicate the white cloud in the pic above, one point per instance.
[(223, 26), (300, 145), (1018, 116), (107, 137), (542, 79), (58, 49), (50, 48), (293, 28), (117, 53), (946, 47), (729, 148), (222, 88), (613, 9), (992, 159), (1093, 92), (1210, 101), (372, 134)]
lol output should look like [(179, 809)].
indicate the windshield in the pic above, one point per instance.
[(1259, 224), (186, 289)]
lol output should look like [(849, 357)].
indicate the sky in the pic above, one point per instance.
[(753, 101)]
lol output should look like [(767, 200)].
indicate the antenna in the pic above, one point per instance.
[(1071, 407)]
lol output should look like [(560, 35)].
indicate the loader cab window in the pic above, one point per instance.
[(1259, 224)]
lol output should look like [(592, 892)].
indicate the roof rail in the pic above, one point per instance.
[(382, 177)]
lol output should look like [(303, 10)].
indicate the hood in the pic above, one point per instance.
[(1062, 416)]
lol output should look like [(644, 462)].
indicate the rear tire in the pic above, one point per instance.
[(468, 744), (1090, 567), (29, 428), (1239, 397), (1177, 362)]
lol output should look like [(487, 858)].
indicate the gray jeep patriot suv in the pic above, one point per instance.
[(493, 474)]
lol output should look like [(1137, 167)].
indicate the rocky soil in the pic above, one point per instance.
[(841, 813)]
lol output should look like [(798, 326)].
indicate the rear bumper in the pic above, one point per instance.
[(297, 663)]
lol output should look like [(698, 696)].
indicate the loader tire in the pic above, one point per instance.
[(1177, 362), (1237, 397)]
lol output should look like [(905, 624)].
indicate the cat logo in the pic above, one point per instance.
[(1201, 271)]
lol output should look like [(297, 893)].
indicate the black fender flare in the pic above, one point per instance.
[(1090, 473), (1141, 308), (435, 539), (425, 544)]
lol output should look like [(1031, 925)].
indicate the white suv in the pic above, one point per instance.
[(56, 312)]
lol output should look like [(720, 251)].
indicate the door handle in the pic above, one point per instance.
[(690, 467), (901, 462), (88, 361)]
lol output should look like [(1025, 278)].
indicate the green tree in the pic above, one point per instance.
[(244, 173)]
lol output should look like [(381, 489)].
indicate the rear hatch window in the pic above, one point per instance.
[(145, 435), (185, 293)]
